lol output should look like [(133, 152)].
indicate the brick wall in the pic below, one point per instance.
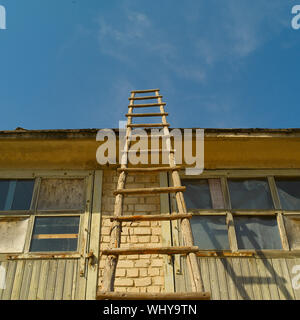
[(135, 273)]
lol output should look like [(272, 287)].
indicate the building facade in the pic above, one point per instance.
[(56, 204)]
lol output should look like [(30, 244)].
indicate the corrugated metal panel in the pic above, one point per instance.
[(40, 280), (10, 276), (244, 278), (59, 286)]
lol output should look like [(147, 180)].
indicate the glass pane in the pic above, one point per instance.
[(23, 195), (197, 195), (55, 234), (16, 194), (61, 194), (210, 233), (250, 194), (292, 226), (289, 193), (3, 193), (257, 233)]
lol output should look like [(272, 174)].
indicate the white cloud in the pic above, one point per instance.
[(138, 37), (211, 33), (205, 36), (235, 29)]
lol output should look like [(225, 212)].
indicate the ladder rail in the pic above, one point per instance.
[(115, 240), (195, 275)]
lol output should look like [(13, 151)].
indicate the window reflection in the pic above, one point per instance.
[(210, 232), (289, 193), (250, 194), (55, 234), (15, 194), (197, 194), (257, 233)]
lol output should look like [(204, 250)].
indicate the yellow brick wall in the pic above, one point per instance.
[(135, 273)]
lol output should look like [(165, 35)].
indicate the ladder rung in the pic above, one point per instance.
[(145, 98), (152, 136), (147, 105), (147, 125), (150, 190), (152, 217), (150, 250), (135, 115), (153, 296), (150, 151), (157, 169), (144, 91)]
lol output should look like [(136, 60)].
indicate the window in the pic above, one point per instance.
[(257, 233), (61, 194), (203, 194), (197, 194), (210, 232), (289, 193), (15, 194), (250, 194), (55, 234), (42, 214), (262, 212), (292, 225)]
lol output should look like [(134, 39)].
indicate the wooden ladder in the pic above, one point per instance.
[(107, 291)]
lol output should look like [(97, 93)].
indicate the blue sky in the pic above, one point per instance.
[(68, 64)]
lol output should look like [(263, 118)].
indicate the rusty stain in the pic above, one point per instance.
[(41, 256)]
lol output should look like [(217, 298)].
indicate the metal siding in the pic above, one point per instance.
[(245, 278), (50, 288), (256, 281), (67, 293), (40, 279), (4, 265), (26, 280), (221, 270), (232, 290), (272, 279), (214, 280), (17, 283), (34, 284), (10, 276), (59, 286), (289, 291), (205, 274)]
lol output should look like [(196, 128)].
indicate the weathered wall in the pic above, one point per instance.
[(42, 280), (135, 273), (245, 278), (223, 149)]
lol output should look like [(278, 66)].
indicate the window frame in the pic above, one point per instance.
[(32, 213), (230, 213)]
